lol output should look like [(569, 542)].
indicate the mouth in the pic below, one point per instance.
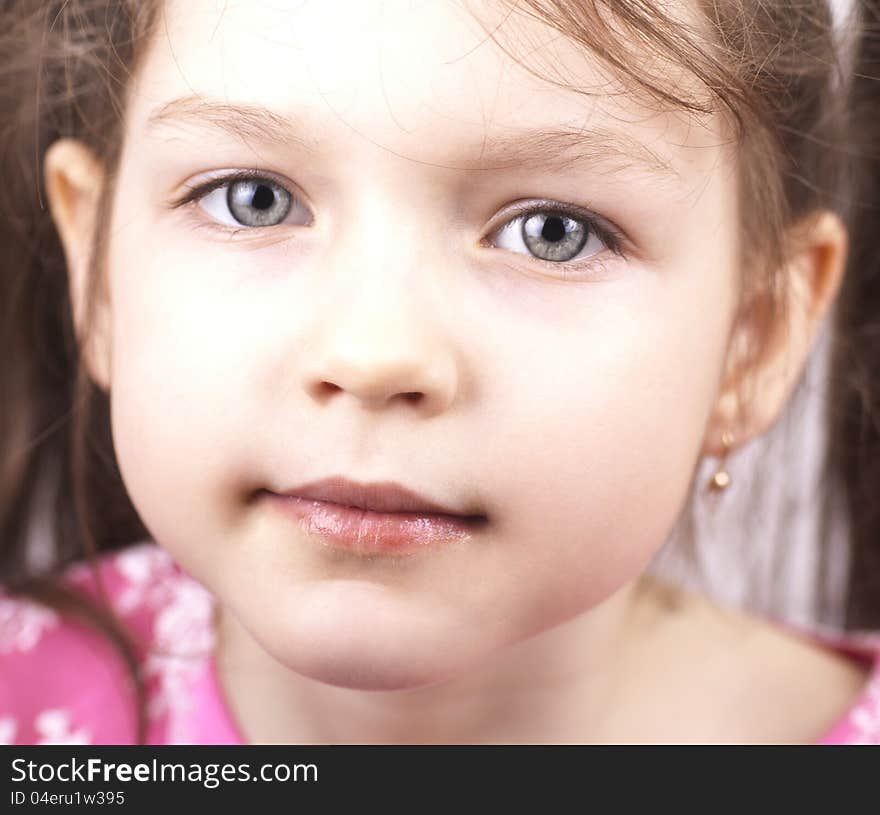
[(375, 519)]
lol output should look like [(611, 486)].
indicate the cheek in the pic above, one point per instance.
[(179, 410), (601, 430)]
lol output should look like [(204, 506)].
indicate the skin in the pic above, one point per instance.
[(571, 408)]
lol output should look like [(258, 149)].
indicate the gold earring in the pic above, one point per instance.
[(721, 480)]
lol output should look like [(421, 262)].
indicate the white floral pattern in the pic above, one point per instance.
[(22, 623), (178, 613), (183, 634), (147, 570), (54, 727), (866, 717), (186, 619), (8, 729)]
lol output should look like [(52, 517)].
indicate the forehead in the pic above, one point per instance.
[(420, 79)]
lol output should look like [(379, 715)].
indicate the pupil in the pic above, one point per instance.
[(554, 229), (263, 197)]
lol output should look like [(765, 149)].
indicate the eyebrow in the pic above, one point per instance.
[(556, 148)]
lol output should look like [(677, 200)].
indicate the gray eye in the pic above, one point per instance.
[(554, 237), (257, 202)]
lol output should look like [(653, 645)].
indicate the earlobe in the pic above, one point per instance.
[(74, 180), (752, 400)]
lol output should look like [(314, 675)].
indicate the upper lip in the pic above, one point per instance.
[(380, 496)]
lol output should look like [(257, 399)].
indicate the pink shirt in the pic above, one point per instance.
[(61, 682)]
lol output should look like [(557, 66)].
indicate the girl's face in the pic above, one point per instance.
[(564, 388)]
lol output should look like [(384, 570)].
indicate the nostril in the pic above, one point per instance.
[(322, 390)]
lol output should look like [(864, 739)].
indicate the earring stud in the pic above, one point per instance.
[(721, 480)]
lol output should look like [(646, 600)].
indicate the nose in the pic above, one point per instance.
[(377, 374), (377, 345)]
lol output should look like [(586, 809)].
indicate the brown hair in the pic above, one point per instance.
[(854, 450), (805, 143)]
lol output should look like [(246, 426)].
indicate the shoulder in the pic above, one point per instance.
[(806, 687), (860, 722), (62, 680), (747, 679)]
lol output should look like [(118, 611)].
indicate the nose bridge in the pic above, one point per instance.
[(379, 257), (377, 337), (383, 239)]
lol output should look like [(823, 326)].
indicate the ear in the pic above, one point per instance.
[(74, 179), (753, 396)]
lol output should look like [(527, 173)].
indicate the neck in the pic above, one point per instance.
[(554, 687)]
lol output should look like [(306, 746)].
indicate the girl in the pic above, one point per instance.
[(376, 346)]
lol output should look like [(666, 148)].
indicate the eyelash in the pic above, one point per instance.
[(613, 239), (200, 191)]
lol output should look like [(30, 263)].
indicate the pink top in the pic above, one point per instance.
[(63, 683)]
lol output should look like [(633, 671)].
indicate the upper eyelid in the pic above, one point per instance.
[(199, 189), (616, 240)]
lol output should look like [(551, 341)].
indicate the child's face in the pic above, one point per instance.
[(568, 404)]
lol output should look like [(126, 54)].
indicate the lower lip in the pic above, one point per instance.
[(373, 533)]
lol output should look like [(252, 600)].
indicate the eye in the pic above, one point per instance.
[(556, 234), (249, 202), (246, 200)]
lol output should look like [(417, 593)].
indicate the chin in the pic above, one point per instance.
[(374, 664), (370, 675), (365, 636), (362, 654)]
